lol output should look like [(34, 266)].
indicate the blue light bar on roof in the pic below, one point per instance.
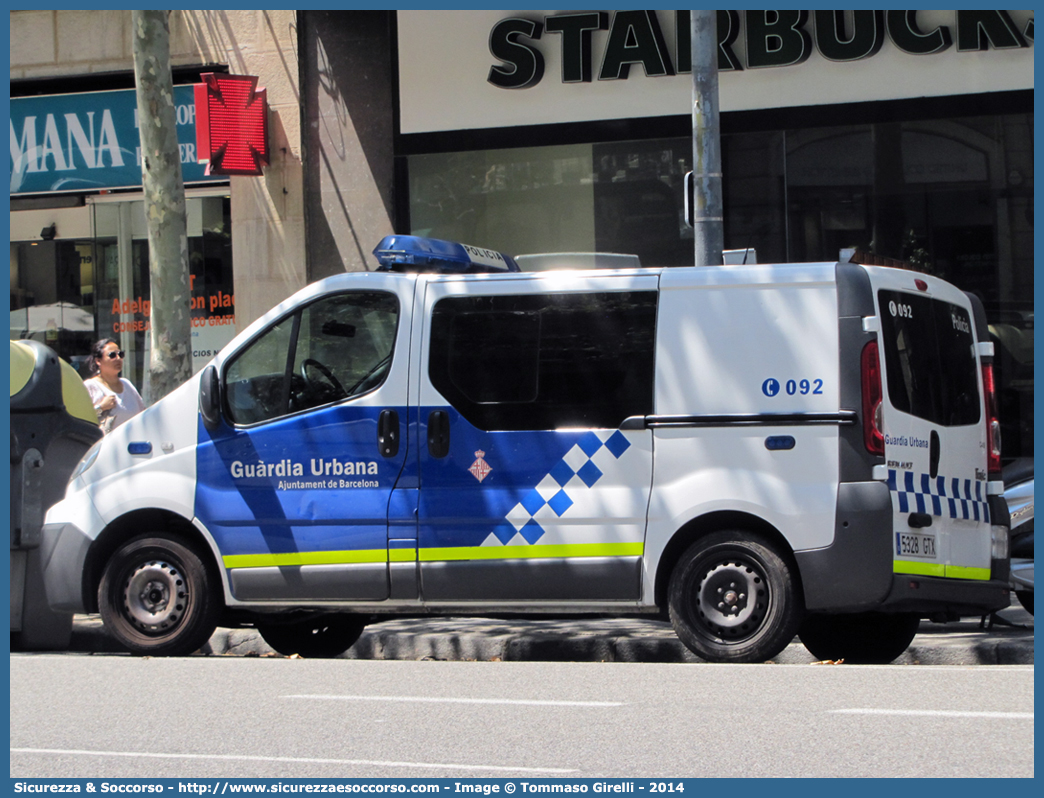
[(417, 254)]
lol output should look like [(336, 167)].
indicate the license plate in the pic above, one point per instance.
[(912, 545)]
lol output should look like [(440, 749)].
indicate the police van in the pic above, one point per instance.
[(752, 451)]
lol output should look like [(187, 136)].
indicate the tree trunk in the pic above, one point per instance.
[(170, 361)]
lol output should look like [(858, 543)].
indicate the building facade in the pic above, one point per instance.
[(79, 258), (905, 135)]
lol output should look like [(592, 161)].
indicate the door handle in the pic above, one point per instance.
[(388, 433), (438, 433), (933, 455)]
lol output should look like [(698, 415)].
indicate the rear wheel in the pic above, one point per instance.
[(321, 637), (1025, 598), (863, 638), (733, 597), (156, 596)]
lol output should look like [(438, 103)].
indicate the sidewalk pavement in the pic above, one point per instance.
[(594, 640)]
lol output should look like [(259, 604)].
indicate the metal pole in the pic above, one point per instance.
[(708, 227)]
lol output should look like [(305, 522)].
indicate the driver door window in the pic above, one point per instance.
[(334, 349)]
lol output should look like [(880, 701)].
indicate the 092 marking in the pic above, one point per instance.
[(793, 387)]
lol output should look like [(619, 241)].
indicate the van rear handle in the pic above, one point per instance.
[(438, 433), (388, 433), (919, 520)]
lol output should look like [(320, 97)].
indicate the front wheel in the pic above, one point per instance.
[(322, 637), (157, 598), (869, 638), (734, 597)]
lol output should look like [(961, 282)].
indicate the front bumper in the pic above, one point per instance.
[(63, 549)]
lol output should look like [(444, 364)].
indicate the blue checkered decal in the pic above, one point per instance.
[(942, 496), (577, 471)]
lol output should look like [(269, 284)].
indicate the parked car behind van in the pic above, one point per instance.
[(1018, 493)]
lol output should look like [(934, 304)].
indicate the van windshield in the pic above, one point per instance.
[(929, 348)]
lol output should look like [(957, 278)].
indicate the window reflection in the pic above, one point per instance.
[(952, 197)]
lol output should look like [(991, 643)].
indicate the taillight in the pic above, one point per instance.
[(873, 436), (993, 432)]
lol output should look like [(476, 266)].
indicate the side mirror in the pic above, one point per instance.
[(210, 398)]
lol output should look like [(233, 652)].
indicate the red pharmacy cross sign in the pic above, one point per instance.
[(231, 124)]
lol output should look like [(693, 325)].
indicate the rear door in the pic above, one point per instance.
[(934, 426), (530, 491)]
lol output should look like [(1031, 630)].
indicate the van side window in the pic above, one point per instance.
[(533, 362), (254, 381), (333, 349)]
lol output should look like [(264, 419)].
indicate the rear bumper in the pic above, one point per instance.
[(928, 595), (855, 572)]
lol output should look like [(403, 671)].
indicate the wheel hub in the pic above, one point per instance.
[(155, 596), (732, 598)]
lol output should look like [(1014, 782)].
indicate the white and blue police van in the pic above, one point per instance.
[(752, 451)]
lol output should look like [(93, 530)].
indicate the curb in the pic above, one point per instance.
[(595, 640)]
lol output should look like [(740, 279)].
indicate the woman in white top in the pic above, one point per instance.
[(115, 398)]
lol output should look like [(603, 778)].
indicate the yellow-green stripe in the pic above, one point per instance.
[(305, 558), (560, 551), (939, 569), (964, 572), (919, 568), (530, 552)]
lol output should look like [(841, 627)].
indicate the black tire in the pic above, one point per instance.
[(322, 637), (157, 598), (733, 597), (1025, 598), (870, 638)]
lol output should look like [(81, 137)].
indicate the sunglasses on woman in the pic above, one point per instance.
[(113, 355)]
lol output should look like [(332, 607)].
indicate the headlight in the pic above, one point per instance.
[(87, 460)]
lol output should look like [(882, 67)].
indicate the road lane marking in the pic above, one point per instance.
[(405, 699), (289, 759), (936, 713)]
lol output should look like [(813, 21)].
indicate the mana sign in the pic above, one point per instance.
[(767, 39), (89, 141)]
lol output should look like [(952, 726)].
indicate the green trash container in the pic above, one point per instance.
[(53, 424)]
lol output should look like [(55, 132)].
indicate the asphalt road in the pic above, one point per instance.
[(213, 717)]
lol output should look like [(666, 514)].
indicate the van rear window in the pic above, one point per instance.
[(929, 348)]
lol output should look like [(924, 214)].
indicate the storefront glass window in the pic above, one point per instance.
[(68, 293), (124, 302), (52, 295), (952, 197)]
